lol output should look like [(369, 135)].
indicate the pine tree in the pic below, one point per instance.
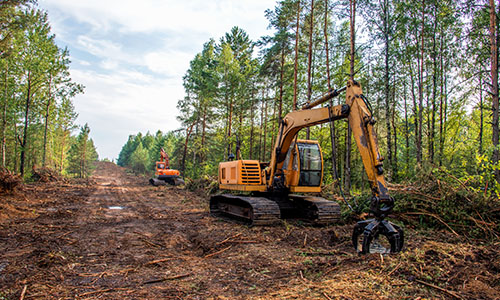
[(82, 154)]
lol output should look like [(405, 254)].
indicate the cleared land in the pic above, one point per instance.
[(116, 237)]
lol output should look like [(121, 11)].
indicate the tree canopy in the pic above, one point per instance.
[(36, 91), (427, 67)]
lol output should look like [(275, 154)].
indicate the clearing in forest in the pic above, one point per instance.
[(114, 236)]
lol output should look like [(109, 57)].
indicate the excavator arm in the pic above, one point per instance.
[(164, 158), (357, 111)]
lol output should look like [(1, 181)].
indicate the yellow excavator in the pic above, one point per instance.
[(263, 193)]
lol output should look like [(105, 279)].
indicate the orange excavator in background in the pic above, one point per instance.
[(262, 193), (163, 172)]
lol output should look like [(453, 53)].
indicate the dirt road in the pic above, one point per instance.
[(116, 237)]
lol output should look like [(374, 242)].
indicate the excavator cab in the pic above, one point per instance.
[(303, 167), (311, 164)]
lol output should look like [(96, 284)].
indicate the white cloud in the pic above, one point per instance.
[(109, 64), (83, 62), (215, 17), (125, 103), (131, 56), (100, 48), (168, 62)]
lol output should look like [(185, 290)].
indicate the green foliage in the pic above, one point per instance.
[(37, 113), (82, 154), (141, 152), (139, 159), (439, 199), (423, 68), (484, 182)]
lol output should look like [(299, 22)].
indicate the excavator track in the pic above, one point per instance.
[(252, 210), (316, 210), (262, 211)]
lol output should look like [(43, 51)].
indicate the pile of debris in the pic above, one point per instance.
[(9, 182), (206, 185), (44, 174)]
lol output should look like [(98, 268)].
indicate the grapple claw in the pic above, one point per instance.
[(371, 230)]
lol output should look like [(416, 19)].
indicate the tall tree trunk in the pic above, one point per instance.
[(203, 133), (481, 113), (295, 67), (387, 89), (265, 157), (327, 52), (275, 128), (333, 138), (415, 109), (309, 62), (352, 20), (407, 129), (434, 90), (261, 156), (445, 114), (394, 129), (282, 74), (84, 159), (347, 169), (441, 104), (188, 133), (25, 130), (252, 108), (421, 89), (63, 142), (4, 117), (47, 112), (229, 122), (494, 86)]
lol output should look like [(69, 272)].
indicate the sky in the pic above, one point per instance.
[(131, 56)]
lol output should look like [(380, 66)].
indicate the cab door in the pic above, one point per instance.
[(311, 163)]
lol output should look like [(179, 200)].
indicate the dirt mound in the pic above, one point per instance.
[(9, 182), (44, 174)]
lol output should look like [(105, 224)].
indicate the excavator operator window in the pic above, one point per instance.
[(310, 164), (161, 166)]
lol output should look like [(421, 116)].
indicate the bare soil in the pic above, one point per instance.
[(114, 236)]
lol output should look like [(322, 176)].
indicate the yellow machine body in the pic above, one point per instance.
[(302, 169)]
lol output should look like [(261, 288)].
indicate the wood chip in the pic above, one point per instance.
[(326, 296), (451, 293), (229, 238), (95, 292), (167, 278), (218, 252), (159, 261), (23, 293)]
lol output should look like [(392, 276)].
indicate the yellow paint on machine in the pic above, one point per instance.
[(243, 188), (240, 172), (305, 189)]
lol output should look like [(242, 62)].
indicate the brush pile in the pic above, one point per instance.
[(9, 183), (441, 200), (44, 174)]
